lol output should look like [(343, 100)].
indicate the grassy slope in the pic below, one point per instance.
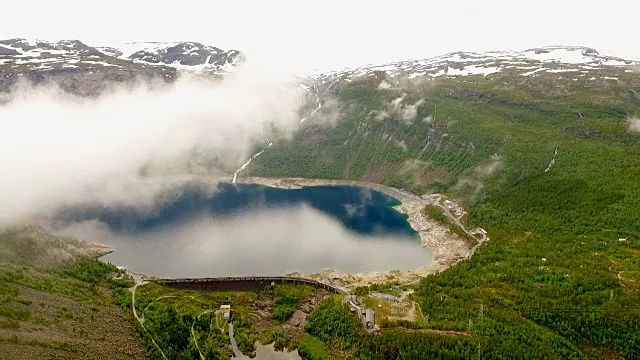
[(60, 308), (572, 304)]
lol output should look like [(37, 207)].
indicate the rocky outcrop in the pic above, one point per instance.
[(34, 245)]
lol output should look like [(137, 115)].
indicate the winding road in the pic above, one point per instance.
[(473, 233)]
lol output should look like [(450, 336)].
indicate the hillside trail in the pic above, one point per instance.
[(193, 334), (195, 341), (139, 281)]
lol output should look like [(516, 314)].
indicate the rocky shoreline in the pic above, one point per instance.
[(447, 248)]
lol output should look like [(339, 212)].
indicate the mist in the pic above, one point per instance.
[(134, 141), (266, 242), (634, 124)]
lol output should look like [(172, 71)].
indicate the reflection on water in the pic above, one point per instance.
[(236, 233), (268, 352)]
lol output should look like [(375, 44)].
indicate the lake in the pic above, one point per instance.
[(243, 229)]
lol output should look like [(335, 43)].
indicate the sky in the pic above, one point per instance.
[(331, 34)]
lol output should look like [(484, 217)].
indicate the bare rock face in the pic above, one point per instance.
[(298, 318)]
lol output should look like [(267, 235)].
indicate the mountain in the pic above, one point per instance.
[(181, 55), (393, 120), (573, 60), (45, 55), (543, 148), (85, 70)]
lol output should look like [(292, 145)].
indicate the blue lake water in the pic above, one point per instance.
[(239, 229)]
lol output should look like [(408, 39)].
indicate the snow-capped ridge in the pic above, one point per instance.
[(21, 54), (179, 54), (529, 62)]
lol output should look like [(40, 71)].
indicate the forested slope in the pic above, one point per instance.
[(548, 165)]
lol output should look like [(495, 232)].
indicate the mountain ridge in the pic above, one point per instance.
[(557, 58), (48, 55), (191, 55)]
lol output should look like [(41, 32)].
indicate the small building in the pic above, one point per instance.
[(225, 310), (368, 317)]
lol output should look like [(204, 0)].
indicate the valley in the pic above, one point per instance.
[(381, 181)]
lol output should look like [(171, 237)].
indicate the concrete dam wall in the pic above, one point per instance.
[(248, 283)]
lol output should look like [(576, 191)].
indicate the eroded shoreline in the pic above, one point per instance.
[(447, 247)]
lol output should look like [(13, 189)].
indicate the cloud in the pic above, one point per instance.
[(486, 168), (382, 115), (396, 103), (355, 210), (409, 112), (269, 242), (134, 142), (634, 124), (396, 109), (384, 85), (329, 113)]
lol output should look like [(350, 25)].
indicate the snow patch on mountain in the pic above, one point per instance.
[(184, 55), (23, 55), (552, 59)]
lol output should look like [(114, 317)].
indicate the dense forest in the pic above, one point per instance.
[(548, 167)]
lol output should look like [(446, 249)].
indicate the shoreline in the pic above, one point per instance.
[(447, 248)]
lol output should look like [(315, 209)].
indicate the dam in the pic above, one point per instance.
[(246, 283)]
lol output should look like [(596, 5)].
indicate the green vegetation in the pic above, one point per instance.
[(435, 213), (310, 348), (171, 331), (392, 288), (54, 304), (170, 314), (82, 281), (331, 322), (16, 340), (554, 281), (288, 298)]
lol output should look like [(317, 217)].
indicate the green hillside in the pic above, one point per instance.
[(555, 280), (56, 302)]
